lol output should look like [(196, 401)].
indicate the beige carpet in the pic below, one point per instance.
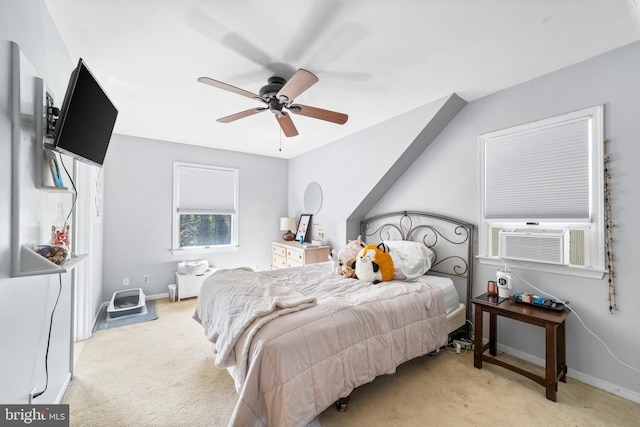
[(161, 373)]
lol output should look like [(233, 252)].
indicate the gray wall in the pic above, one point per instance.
[(357, 170), (444, 179), (26, 303), (138, 182)]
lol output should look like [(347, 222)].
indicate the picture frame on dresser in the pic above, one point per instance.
[(303, 227)]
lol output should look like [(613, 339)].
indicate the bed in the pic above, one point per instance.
[(297, 340)]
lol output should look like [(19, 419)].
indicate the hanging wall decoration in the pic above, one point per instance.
[(613, 304)]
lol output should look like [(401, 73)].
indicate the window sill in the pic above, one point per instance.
[(589, 273), (207, 250)]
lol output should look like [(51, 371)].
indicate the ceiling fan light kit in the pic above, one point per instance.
[(278, 94)]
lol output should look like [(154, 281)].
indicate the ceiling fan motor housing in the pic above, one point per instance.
[(274, 86), (269, 92)]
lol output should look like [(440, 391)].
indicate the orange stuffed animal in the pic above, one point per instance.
[(374, 264)]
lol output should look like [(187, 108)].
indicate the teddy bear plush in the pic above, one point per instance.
[(348, 269), (374, 264)]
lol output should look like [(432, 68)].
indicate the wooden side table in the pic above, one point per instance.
[(553, 323)]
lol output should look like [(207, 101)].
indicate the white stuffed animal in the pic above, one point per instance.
[(346, 253)]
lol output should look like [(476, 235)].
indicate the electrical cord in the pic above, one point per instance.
[(46, 357), (75, 191), (473, 330), (566, 303)]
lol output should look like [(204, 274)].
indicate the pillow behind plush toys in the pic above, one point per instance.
[(374, 264), (410, 259)]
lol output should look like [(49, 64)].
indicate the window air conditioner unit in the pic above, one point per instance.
[(534, 244)]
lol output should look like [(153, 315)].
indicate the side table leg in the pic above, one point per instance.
[(551, 383), (493, 334), (562, 353), (477, 340)]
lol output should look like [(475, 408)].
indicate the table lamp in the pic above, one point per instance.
[(288, 224)]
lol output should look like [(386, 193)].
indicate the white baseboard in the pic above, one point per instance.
[(63, 389), (158, 296), (580, 376)]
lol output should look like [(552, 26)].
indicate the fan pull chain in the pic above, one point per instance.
[(612, 296), (280, 135)]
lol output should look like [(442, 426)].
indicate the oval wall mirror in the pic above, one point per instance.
[(313, 198)]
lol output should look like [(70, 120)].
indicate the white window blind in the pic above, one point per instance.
[(539, 173), (546, 175), (203, 190), (205, 208)]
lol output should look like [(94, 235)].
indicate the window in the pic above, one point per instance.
[(543, 180), (205, 200)]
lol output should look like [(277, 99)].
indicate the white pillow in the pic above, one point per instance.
[(410, 259)]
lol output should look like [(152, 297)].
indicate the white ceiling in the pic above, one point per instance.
[(375, 59)]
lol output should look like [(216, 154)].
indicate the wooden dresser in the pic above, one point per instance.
[(286, 254)]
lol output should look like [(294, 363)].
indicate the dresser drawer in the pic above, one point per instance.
[(278, 261), (279, 250), (294, 263), (295, 255)]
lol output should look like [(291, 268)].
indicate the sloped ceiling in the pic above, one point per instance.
[(375, 59)]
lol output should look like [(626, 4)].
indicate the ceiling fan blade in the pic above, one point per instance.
[(319, 113), (286, 124), (240, 115), (230, 88), (301, 81)]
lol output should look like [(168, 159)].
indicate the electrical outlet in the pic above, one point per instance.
[(125, 281), (32, 395), (145, 278)]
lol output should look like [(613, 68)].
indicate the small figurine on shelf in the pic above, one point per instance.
[(60, 230), (60, 237)]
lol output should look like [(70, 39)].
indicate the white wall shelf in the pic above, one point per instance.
[(43, 178), (34, 264), (32, 203), (51, 189)]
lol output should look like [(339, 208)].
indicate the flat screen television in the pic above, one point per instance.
[(86, 120)]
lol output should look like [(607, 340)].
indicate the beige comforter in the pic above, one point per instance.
[(294, 366)]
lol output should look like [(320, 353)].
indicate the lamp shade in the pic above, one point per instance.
[(288, 224)]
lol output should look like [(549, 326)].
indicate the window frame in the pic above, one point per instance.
[(594, 226), (175, 226)]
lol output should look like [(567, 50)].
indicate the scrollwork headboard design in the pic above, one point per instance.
[(451, 241)]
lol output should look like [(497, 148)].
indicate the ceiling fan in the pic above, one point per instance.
[(277, 96)]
